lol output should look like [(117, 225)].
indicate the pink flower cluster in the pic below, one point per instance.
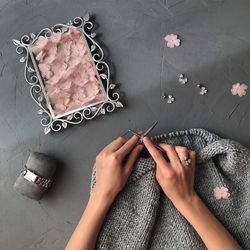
[(172, 40), (239, 89), (221, 193), (67, 71)]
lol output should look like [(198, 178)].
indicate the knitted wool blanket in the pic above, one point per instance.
[(142, 217)]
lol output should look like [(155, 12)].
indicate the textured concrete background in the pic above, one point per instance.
[(215, 51)]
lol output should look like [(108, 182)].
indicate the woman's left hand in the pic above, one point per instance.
[(114, 164)]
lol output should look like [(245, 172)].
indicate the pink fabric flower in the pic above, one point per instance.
[(73, 30), (64, 99), (239, 89), (55, 37), (65, 85), (41, 41), (45, 70), (52, 49), (221, 193), (40, 56), (77, 94), (59, 108), (75, 104), (172, 40), (39, 44), (52, 90)]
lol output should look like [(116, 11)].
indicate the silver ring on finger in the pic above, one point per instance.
[(186, 161)]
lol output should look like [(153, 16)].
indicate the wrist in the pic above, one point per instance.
[(189, 204), (102, 198)]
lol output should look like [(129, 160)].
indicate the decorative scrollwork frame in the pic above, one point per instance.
[(37, 91)]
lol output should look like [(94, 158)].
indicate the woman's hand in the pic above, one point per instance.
[(175, 179), (114, 164)]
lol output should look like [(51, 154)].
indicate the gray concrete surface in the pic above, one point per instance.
[(215, 51)]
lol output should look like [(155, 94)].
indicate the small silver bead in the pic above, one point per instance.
[(202, 88), (170, 99), (203, 91), (182, 79)]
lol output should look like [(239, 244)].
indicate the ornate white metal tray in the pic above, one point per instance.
[(56, 77)]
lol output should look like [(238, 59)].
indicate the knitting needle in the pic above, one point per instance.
[(149, 130), (141, 137), (134, 133), (145, 133)]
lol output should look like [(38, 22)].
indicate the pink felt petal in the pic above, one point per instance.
[(177, 42), (59, 107), (40, 56), (39, 44), (45, 70), (91, 71), (65, 85), (64, 99), (73, 61), (82, 98), (100, 97), (52, 48), (51, 90), (170, 44), (76, 95), (93, 78), (225, 195), (75, 105), (167, 37), (41, 41), (217, 193), (55, 37), (74, 30), (58, 68)]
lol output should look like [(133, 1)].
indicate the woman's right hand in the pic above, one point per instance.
[(175, 179)]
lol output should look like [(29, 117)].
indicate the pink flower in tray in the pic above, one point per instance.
[(221, 193), (239, 89), (172, 40)]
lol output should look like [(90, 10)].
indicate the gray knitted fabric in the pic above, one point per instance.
[(142, 217)]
